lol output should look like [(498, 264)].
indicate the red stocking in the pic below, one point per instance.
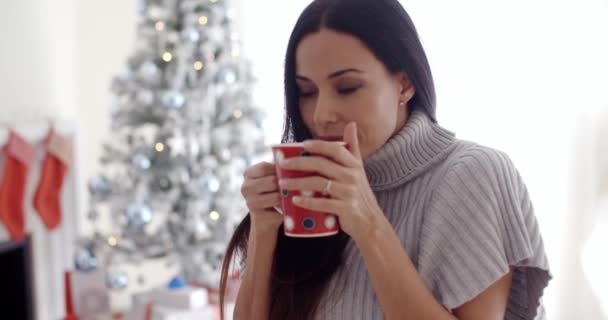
[(19, 154), (48, 194)]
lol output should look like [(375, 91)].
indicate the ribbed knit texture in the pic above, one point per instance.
[(463, 215)]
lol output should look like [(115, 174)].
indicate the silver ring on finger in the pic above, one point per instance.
[(327, 190)]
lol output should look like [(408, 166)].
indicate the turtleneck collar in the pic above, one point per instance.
[(408, 153)]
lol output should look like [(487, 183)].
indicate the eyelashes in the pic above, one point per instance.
[(348, 90), (341, 91), (305, 94)]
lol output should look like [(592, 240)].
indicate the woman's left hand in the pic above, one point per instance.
[(351, 197)]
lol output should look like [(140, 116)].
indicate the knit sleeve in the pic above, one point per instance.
[(479, 222)]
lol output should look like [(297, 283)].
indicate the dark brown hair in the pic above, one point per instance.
[(301, 268)]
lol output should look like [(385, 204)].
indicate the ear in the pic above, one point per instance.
[(405, 86)]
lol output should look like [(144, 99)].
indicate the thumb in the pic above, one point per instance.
[(350, 137)]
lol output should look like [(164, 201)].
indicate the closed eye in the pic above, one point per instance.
[(306, 94), (342, 91), (348, 90)]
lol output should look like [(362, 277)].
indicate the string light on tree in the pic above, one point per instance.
[(167, 56), (213, 215), (112, 241)]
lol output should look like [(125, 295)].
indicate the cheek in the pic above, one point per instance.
[(376, 110), (307, 110), (377, 120)]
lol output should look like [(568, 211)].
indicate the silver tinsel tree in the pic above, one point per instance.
[(183, 132)]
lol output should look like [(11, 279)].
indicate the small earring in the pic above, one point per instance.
[(402, 104)]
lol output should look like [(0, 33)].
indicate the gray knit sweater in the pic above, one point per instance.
[(463, 215)]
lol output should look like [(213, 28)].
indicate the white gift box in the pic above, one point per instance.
[(160, 312), (180, 301)]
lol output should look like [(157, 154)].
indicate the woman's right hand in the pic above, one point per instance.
[(261, 192)]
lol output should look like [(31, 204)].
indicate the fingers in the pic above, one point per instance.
[(334, 151), (259, 170), (260, 188), (264, 201), (350, 137), (337, 190), (259, 185), (320, 165), (267, 217), (332, 206)]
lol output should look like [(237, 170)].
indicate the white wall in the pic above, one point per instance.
[(105, 37), (36, 60), (56, 60)]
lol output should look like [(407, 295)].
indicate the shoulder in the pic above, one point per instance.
[(479, 222), (474, 164), (478, 183), (471, 155)]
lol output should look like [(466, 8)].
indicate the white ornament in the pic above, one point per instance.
[(289, 223), (330, 222), (178, 145), (279, 155), (307, 193)]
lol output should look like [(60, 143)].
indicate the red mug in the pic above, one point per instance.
[(297, 221)]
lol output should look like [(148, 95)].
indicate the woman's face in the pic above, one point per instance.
[(340, 80)]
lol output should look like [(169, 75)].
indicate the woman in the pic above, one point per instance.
[(432, 227)]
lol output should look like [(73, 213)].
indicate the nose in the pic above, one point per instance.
[(325, 112)]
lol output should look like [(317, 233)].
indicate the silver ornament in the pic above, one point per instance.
[(225, 154), (227, 75), (141, 162), (157, 12), (177, 144), (201, 231), (117, 280), (213, 184), (144, 97), (100, 186), (85, 259), (173, 99), (190, 35), (138, 216), (148, 69), (229, 16)]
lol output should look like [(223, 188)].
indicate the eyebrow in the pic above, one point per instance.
[(332, 75)]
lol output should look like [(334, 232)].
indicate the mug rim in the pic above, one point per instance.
[(298, 144)]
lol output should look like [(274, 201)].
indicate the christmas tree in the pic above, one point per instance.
[(183, 131)]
